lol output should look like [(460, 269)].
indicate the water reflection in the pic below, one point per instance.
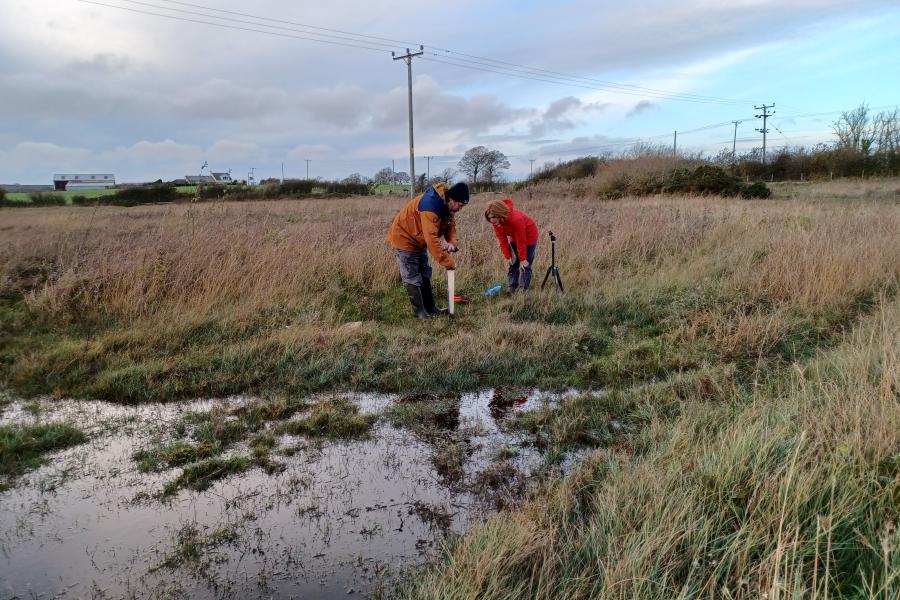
[(342, 517)]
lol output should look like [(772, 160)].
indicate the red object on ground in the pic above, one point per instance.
[(460, 300)]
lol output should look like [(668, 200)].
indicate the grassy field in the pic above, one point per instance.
[(748, 442), (389, 188), (25, 197)]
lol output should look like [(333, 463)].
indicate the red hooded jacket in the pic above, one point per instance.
[(519, 228)]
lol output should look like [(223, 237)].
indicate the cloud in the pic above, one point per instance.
[(642, 107), (308, 151), (343, 106), (103, 63), (585, 145), (156, 152), (565, 113), (231, 150), (37, 161), (437, 110), (225, 99)]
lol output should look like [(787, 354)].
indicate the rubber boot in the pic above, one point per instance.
[(415, 297), (428, 299)]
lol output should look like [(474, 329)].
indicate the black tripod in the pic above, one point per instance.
[(553, 269)]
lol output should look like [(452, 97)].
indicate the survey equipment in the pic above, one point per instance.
[(553, 269), (451, 290)]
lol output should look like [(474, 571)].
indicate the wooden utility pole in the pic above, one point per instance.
[(734, 143), (412, 154)]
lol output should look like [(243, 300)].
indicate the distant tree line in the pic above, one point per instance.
[(865, 145)]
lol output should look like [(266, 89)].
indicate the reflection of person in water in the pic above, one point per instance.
[(502, 401)]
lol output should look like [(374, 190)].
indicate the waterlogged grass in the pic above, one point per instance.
[(174, 454), (425, 413), (202, 474), (338, 418), (193, 545), (611, 419), (23, 447), (203, 437), (789, 489)]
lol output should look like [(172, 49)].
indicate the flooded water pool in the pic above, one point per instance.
[(338, 518)]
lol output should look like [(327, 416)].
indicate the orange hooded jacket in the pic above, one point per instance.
[(421, 224)]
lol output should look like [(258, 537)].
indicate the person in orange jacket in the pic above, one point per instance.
[(518, 237), (417, 230)]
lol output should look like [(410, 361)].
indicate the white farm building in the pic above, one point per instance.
[(62, 182)]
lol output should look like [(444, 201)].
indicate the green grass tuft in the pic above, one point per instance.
[(337, 418), (202, 474), (22, 447)]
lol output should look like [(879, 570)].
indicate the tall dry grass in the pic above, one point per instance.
[(261, 289), (176, 262), (792, 495)]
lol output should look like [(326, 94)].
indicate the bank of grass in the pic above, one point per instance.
[(790, 489), (23, 446), (166, 302)]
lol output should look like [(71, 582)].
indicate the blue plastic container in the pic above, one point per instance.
[(494, 290)]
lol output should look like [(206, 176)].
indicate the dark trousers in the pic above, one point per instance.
[(413, 266), (515, 269)]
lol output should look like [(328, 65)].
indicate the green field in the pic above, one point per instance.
[(25, 197), (391, 188)]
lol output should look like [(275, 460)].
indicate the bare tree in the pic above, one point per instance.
[(355, 178), (886, 131), (493, 170), (384, 176), (446, 176), (479, 159), (853, 129)]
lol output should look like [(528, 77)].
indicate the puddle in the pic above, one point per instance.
[(342, 518)]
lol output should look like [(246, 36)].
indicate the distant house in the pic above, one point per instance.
[(63, 182), (199, 179), (211, 179)]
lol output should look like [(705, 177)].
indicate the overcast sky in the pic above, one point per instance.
[(96, 89)]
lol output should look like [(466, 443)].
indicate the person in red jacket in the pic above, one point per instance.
[(518, 236)]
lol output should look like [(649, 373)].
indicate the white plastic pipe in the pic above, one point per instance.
[(451, 289)]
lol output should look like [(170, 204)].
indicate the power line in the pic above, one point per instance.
[(224, 26), (233, 20), (557, 82), (304, 25), (584, 83), (367, 42), (465, 56), (605, 84)]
